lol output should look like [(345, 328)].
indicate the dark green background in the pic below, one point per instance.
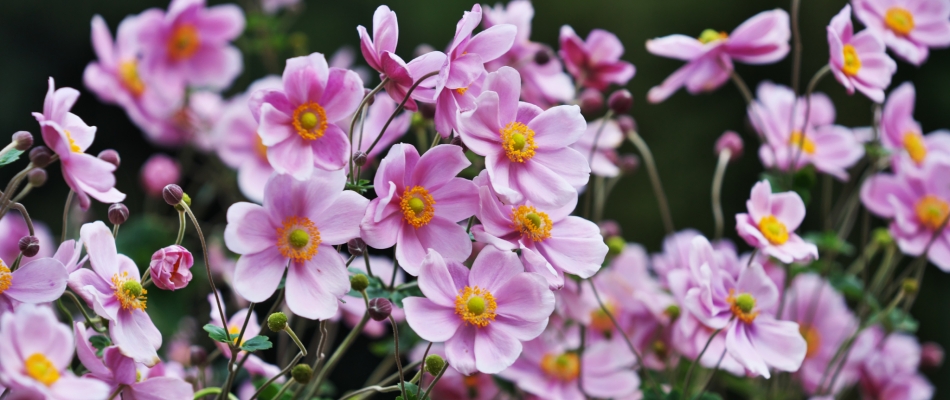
[(46, 38)]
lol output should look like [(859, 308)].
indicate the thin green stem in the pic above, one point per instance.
[(337, 355), (724, 157), (434, 381), (213, 390), (89, 320), (293, 336), (654, 179), (398, 109), (356, 116), (689, 373), (282, 373), (402, 377), (69, 201), (182, 223)]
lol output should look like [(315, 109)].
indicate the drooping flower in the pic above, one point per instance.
[(254, 364), (159, 171), (762, 39), (526, 149), (300, 125), (298, 224), (354, 308), (13, 226), (482, 314), (170, 267), (419, 202), (919, 205), (903, 136), (908, 27), (36, 351), (551, 241), (859, 61), (367, 131), (113, 288), (67, 135), (190, 44), (595, 62), (39, 281), (607, 137), (889, 366), (771, 222), (792, 142)]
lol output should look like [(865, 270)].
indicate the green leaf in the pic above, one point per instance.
[(898, 320), (256, 343), (849, 285), (10, 156), (410, 391), (829, 241), (217, 333), (100, 342)]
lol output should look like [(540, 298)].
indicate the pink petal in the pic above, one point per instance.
[(524, 297), (136, 336), (779, 343), (38, 281), (276, 127), (437, 281), (460, 350), (680, 47), (380, 234), (257, 275), (342, 95), (249, 229), (332, 151), (315, 287), (454, 200), (305, 78), (495, 350), (431, 321), (293, 157), (101, 248), (344, 224), (492, 42), (438, 166), (446, 237), (558, 127)]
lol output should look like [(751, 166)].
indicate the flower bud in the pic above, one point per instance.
[(434, 364), (359, 282), (372, 97), (629, 163), (359, 158), (198, 355), (931, 355), (159, 171), (909, 285), (277, 321), (110, 156), (457, 141), (186, 200), (173, 194), (356, 247), (427, 110), (626, 123), (29, 246), (731, 141), (591, 101), (609, 228), (36, 177), (22, 140), (542, 57), (379, 309), (40, 156), (883, 237), (171, 267), (673, 311), (118, 214), (620, 101), (301, 373), (615, 245)]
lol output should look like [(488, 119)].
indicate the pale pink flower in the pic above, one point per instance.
[(889, 366), (908, 27), (903, 135), (771, 222), (603, 158), (13, 227), (859, 61), (39, 281), (595, 62)]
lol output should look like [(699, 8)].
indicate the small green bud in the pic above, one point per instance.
[(301, 373), (434, 364), (359, 282), (673, 311), (910, 286), (185, 198), (883, 237), (615, 245), (277, 321)]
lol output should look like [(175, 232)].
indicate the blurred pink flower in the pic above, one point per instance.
[(39, 281), (603, 160), (903, 136), (13, 227), (454, 385), (771, 222), (159, 171), (859, 61), (889, 366), (908, 27), (171, 267), (595, 62)]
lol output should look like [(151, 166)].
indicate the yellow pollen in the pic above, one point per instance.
[(461, 91), (129, 77), (416, 205), (742, 306), (6, 277), (72, 143), (531, 223), (259, 147), (476, 306), (852, 63), (711, 35), (235, 330), (773, 230), (600, 321), (899, 20), (42, 369), (129, 291), (932, 211), (518, 141), (915, 146), (812, 338), (310, 121), (565, 367), (184, 42), (807, 145), (298, 239)]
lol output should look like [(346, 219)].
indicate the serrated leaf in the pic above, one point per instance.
[(256, 343), (100, 342), (10, 156), (217, 333)]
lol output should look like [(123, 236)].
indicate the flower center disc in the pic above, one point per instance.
[(773, 230), (852, 63), (799, 140), (310, 121), (711, 35), (298, 239), (41, 368), (812, 338), (932, 211), (184, 42), (564, 367), (476, 306), (129, 76), (742, 306), (518, 141), (600, 321), (915, 146), (129, 292), (416, 205), (899, 20), (531, 222), (6, 277)]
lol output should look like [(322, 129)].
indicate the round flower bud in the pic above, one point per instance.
[(591, 101), (356, 247), (731, 141), (29, 246), (40, 156), (615, 245), (277, 321), (118, 214), (427, 110), (173, 194), (171, 267), (110, 156), (883, 237), (673, 311), (909, 285), (609, 228), (359, 282), (198, 355), (372, 97), (301, 373), (359, 158), (22, 140), (434, 364), (159, 171), (620, 101), (379, 309), (626, 123), (931, 355), (542, 57), (629, 163), (36, 177)]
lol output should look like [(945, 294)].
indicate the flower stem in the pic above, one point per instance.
[(293, 336), (69, 201), (85, 315), (214, 390), (274, 378), (400, 108), (804, 130), (434, 381), (689, 373), (796, 47), (335, 358), (717, 191), (182, 223), (357, 115), (654, 179), (402, 376)]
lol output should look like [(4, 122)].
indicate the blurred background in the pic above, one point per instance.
[(51, 38)]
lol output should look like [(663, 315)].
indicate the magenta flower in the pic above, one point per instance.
[(114, 290), (526, 149), (367, 131), (39, 281), (13, 226), (603, 159), (552, 242), (419, 202), (918, 204), (298, 224), (67, 135), (171, 267), (482, 314), (859, 61), (354, 308), (902, 135), (790, 143), (190, 44), (762, 39), (771, 223), (908, 27), (300, 125), (36, 351), (157, 172), (254, 364), (889, 366), (595, 62)]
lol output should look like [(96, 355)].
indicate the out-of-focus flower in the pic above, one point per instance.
[(908, 27), (13, 226), (889, 368), (859, 61), (157, 172), (903, 136), (771, 222), (762, 39), (482, 314), (272, 6), (171, 267), (254, 365), (295, 229), (39, 281), (595, 62), (729, 140), (367, 131), (607, 136), (354, 309)]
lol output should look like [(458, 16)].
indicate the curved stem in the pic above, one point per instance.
[(293, 336), (85, 315), (689, 374), (399, 108), (804, 130), (796, 47), (402, 376), (717, 191), (115, 393), (69, 201), (213, 390), (741, 85), (357, 115), (26, 216), (654, 179), (182, 223), (434, 381)]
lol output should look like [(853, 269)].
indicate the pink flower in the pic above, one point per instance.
[(354, 308), (35, 356), (39, 281), (595, 62), (908, 27), (13, 227), (918, 204), (300, 125), (890, 366), (376, 117), (171, 267), (419, 202), (190, 44), (552, 242), (859, 61), (157, 172), (454, 385), (771, 223), (482, 314), (762, 39), (903, 136), (298, 224), (254, 365), (603, 159), (526, 149), (67, 135), (114, 290), (790, 143)]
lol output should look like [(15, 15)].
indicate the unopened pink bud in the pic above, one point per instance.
[(931, 355), (620, 101), (22, 140), (731, 141), (171, 267), (591, 101), (110, 156), (159, 171)]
